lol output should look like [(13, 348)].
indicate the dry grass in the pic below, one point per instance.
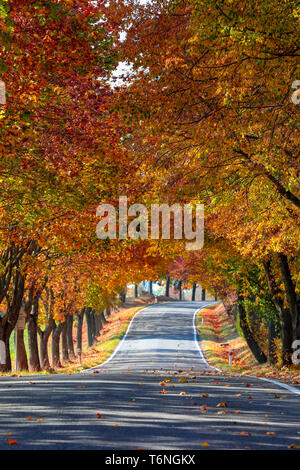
[(219, 335)]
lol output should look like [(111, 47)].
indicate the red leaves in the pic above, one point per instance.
[(99, 415), (12, 442)]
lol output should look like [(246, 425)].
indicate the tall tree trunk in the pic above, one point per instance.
[(64, 341), (136, 292), (272, 335), (34, 359), (79, 333), (291, 295), (251, 341), (286, 329), (150, 288), (57, 328), (70, 336), (8, 323), (194, 291), (21, 355), (88, 317), (180, 290), (168, 286), (44, 338), (203, 294)]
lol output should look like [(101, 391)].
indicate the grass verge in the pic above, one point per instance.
[(218, 334)]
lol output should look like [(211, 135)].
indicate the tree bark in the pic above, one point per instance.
[(272, 335), (44, 338), (64, 341), (203, 294), (34, 359), (57, 328), (251, 341), (70, 336), (8, 323), (291, 295), (150, 288), (88, 317), (286, 329), (180, 290), (21, 356), (79, 333), (194, 292), (168, 287)]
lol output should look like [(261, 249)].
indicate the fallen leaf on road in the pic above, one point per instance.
[(162, 383), (40, 419), (205, 444), (12, 442), (238, 395), (237, 412), (204, 395), (99, 415), (203, 409), (223, 404), (7, 433), (182, 380), (29, 418), (244, 433), (182, 393), (270, 433), (294, 446)]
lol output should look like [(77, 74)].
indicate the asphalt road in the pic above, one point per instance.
[(122, 404)]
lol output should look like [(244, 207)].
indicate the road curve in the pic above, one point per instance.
[(156, 393)]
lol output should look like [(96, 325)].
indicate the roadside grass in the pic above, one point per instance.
[(219, 334)]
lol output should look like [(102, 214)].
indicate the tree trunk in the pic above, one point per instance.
[(70, 336), (44, 337), (286, 329), (194, 292), (150, 288), (8, 323), (290, 294), (55, 343), (79, 333), (272, 335), (21, 356), (136, 292), (168, 287), (64, 341), (34, 359), (180, 290), (203, 294), (88, 317), (251, 341)]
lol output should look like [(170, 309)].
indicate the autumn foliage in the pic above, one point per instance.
[(204, 115)]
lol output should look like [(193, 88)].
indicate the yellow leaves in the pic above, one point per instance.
[(183, 380)]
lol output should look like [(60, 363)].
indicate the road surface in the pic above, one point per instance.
[(123, 405)]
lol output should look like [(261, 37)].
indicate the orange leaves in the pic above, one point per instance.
[(223, 404)]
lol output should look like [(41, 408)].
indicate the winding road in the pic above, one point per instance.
[(156, 392)]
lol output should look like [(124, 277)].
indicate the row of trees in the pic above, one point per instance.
[(210, 120), (205, 116)]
